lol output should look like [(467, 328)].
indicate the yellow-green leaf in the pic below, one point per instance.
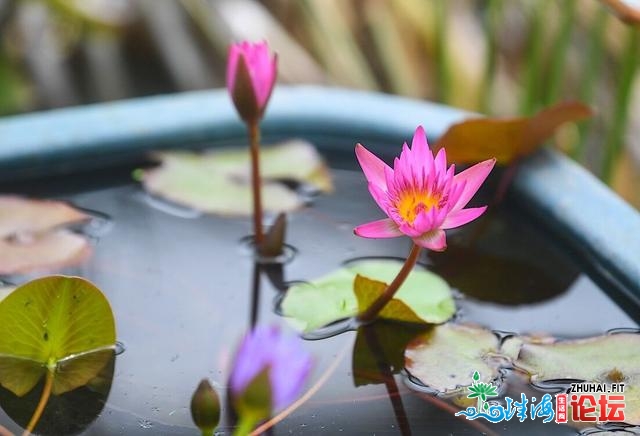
[(59, 324)]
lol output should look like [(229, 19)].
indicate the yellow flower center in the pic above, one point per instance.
[(412, 203)]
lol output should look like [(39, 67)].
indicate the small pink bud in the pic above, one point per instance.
[(251, 75)]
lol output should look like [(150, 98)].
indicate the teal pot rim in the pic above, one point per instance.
[(597, 227)]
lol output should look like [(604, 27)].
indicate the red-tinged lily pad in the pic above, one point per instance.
[(507, 139), (218, 182), (607, 359), (446, 357), (33, 237), (627, 10)]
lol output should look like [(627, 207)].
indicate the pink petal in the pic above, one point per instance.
[(385, 228), (419, 145), (372, 166), (435, 240), (474, 177), (441, 162), (463, 216), (409, 230), (379, 196), (424, 221)]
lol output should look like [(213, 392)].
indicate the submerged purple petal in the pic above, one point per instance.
[(288, 363)]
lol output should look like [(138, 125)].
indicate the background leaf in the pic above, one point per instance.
[(63, 324), (602, 359), (507, 139), (218, 182), (33, 237)]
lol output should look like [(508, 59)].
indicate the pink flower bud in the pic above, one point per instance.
[(251, 74)]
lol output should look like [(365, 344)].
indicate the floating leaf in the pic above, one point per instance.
[(602, 359), (32, 236), (447, 356), (507, 139), (381, 344), (627, 10), (331, 298), (59, 324), (218, 182)]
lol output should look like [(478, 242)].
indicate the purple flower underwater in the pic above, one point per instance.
[(284, 358), (420, 195)]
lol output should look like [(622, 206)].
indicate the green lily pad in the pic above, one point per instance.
[(425, 297), (218, 182), (59, 324), (446, 357), (602, 359)]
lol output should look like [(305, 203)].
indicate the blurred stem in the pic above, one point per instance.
[(254, 139), (372, 312), (622, 103), (245, 426), (44, 399), (442, 64), (533, 59), (559, 50), (494, 10), (593, 57)]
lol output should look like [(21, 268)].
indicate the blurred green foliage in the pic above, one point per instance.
[(496, 57)]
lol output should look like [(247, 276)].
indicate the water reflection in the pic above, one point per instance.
[(496, 267), (70, 413)]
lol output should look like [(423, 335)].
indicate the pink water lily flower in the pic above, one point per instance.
[(420, 195), (251, 75)]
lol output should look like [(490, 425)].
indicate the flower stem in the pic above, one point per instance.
[(44, 398), (245, 426), (372, 312), (254, 139)]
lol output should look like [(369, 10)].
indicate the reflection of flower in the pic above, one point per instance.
[(285, 361), (420, 195), (251, 75)]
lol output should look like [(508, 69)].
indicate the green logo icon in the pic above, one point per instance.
[(481, 391)]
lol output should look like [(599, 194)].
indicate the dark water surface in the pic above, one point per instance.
[(180, 287)]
